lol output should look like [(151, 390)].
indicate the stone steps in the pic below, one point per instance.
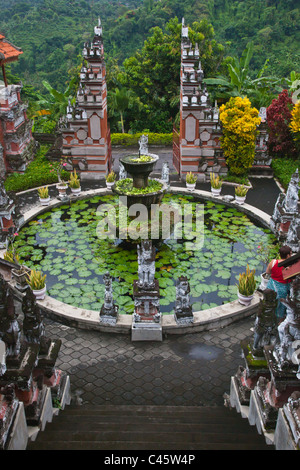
[(121, 427)]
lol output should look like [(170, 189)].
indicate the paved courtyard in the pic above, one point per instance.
[(192, 369)]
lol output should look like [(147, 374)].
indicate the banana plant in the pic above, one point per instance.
[(239, 83)]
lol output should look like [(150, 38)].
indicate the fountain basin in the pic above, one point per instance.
[(139, 170)]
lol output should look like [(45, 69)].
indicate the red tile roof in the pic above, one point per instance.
[(8, 52)]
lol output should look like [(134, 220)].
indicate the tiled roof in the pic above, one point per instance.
[(8, 52)]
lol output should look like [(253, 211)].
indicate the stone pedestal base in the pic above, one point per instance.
[(283, 437), (18, 437), (255, 419), (142, 331), (235, 399)]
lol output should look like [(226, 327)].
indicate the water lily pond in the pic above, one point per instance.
[(63, 244)]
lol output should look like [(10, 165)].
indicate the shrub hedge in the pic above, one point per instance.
[(133, 139)]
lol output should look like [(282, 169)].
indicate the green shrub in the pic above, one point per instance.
[(133, 139), (38, 173), (283, 169)]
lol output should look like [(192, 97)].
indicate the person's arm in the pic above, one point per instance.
[(269, 268)]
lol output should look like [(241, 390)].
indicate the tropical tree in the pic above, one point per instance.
[(120, 101), (48, 109), (153, 73), (239, 83)]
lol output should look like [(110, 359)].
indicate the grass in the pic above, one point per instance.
[(283, 169)]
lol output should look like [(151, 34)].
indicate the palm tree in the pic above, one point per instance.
[(120, 100)]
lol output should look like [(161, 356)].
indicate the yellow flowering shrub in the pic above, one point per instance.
[(239, 121), (295, 121)]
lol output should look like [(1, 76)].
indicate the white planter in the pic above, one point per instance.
[(109, 185), (76, 191), (240, 199), (44, 201), (62, 189), (245, 300), (40, 294), (191, 186), (216, 191)]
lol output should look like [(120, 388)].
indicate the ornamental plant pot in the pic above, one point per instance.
[(240, 199), (76, 191), (191, 186), (44, 201), (245, 299), (109, 184), (62, 189), (216, 191), (40, 294)]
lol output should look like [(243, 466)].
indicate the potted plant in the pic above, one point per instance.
[(44, 195), (62, 187), (74, 183), (240, 193), (37, 281), (216, 184), (190, 180), (246, 286), (110, 179)]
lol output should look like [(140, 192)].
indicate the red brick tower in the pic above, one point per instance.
[(198, 148), (16, 141), (86, 137)]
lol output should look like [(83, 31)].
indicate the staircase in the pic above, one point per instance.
[(134, 427)]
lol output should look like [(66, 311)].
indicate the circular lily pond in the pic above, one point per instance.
[(63, 243)]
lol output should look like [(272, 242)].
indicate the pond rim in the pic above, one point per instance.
[(204, 320)]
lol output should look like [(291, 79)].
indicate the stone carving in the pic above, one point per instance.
[(291, 199), (9, 327), (293, 234), (146, 289), (165, 174), (2, 357), (146, 264), (143, 145), (265, 327), (289, 330), (183, 310), (109, 310), (33, 326), (292, 412), (276, 216), (122, 172)]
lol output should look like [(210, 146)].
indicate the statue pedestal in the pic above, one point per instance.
[(7, 415), (146, 331), (246, 377), (146, 321)]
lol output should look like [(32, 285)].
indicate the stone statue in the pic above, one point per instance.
[(276, 217), (293, 234), (10, 331), (146, 264), (122, 172), (183, 309), (33, 327), (289, 329), (165, 173), (109, 310), (2, 358), (143, 145), (291, 198), (265, 327)]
